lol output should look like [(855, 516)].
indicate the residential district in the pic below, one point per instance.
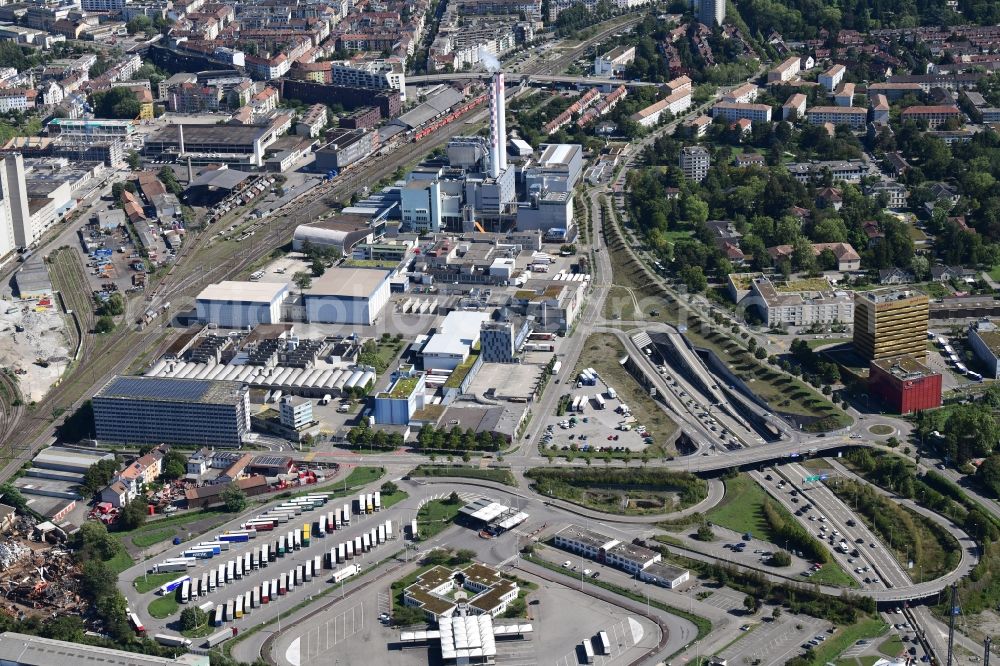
[(499, 332)]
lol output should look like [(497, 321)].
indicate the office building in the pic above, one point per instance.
[(694, 162), (614, 62), (347, 296), (375, 74), (890, 322), (153, 410), (711, 12), (905, 384), (502, 338), (396, 405), (233, 304), (295, 412)]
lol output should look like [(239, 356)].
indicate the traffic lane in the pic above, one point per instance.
[(839, 513)]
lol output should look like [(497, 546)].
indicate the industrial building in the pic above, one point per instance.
[(984, 338), (154, 410), (211, 144), (451, 345), (347, 296), (905, 384), (340, 231), (233, 304), (890, 322), (24, 650)]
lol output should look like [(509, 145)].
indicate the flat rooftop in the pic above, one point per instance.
[(586, 537), (28, 650), (347, 282), (888, 295), (221, 134), (244, 292), (558, 155), (163, 389), (904, 367)]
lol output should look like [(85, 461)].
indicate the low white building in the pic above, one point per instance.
[(347, 296), (233, 304), (453, 342)]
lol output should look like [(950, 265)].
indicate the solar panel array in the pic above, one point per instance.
[(153, 388)]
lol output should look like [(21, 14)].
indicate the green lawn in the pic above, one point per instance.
[(833, 574), (995, 272), (120, 562), (163, 607), (153, 581), (741, 509), (148, 538), (845, 637), (892, 646), (487, 474), (199, 632), (818, 342), (434, 517), (393, 499)]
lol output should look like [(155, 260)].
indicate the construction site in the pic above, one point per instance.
[(33, 343)]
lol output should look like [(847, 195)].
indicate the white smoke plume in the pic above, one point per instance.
[(488, 60)]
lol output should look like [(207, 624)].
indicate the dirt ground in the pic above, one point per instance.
[(43, 340)]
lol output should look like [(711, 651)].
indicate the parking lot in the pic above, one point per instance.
[(593, 427)]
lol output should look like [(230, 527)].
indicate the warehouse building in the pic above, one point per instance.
[(232, 304), (347, 296), (154, 410), (24, 650)]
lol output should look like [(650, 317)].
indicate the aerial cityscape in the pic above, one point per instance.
[(514, 332)]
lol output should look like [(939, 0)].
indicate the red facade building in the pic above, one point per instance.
[(905, 384)]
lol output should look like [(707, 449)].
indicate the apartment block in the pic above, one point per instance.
[(852, 116), (733, 111), (695, 162)]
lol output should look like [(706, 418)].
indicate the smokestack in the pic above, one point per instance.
[(180, 128), (494, 130), (501, 121)]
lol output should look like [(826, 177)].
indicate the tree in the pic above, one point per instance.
[(302, 280), (92, 542), (705, 533), (751, 603), (64, 628), (169, 180), (970, 432), (97, 580), (174, 465), (780, 559), (133, 514), (105, 324), (389, 488), (462, 556), (776, 613), (988, 474), (408, 615), (760, 353), (453, 498), (134, 162), (192, 618), (317, 267), (98, 476), (12, 496), (233, 499), (116, 103)]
